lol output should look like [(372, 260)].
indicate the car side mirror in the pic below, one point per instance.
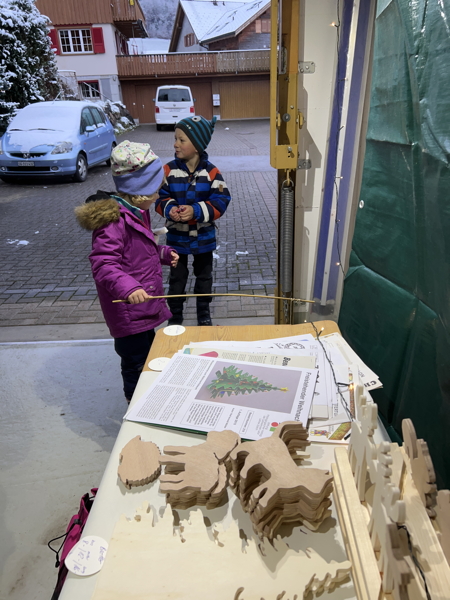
[(195, 99), (90, 128), (154, 99)]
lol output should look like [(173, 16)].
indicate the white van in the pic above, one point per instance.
[(173, 103)]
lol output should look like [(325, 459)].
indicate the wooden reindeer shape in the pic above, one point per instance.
[(196, 475), (388, 511), (362, 449), (271, 487)]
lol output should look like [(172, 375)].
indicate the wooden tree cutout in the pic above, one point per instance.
[(421, 466), (196, 475), (388, 511), (362, 449), (270, 486), (443, 521), (139, 463)]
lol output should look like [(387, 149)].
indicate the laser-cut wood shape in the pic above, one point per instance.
[(139, 463), (362, 449), (443, 521), (270, 486), (388, 511), (422, 467), (197, 475), (149, 557)]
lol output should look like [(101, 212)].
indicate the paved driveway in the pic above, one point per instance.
[(45, 275)]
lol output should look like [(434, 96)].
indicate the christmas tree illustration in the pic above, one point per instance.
[(231, 381)]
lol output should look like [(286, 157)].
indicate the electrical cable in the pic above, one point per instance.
[(337, 384), (415, 561)]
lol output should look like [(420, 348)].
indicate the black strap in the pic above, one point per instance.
[(57, 563)]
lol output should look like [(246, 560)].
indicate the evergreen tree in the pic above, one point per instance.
[(28, 71), (231, 381)]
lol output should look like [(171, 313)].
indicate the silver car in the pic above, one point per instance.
[(56, 138)]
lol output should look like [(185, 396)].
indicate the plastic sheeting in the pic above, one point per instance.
[(396, 304)]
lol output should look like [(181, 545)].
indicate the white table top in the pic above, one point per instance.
[(113, 499)]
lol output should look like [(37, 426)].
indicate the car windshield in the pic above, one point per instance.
[(49, 117), (174, 95)]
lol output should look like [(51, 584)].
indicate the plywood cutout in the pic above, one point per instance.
[(272, 488), (422, 467), (362, 448), (196, 475), (443, 521), (139, 463), (149, 557), (388, 512)]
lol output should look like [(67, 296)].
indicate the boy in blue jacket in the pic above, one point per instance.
[(194, 196)]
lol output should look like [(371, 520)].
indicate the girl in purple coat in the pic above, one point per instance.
[(125, 259)]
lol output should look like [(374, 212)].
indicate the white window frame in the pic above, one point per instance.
[(79, 40), (90, 89)]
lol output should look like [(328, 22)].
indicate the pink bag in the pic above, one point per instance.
[(71, 537)]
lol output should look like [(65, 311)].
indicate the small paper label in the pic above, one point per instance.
[(158, 364), (174, 330), (87, 556)]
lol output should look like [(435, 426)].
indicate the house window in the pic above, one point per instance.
[(190, 40), (75, 41), (262, 26), (89, 89)]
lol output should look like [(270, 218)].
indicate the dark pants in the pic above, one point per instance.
[(133, 351), (203, 264)]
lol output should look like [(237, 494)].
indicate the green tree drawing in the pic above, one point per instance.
[(231, 381)]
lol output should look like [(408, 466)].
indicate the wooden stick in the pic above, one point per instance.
[(247, 295)]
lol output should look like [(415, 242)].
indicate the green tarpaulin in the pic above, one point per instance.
[(396, 305)]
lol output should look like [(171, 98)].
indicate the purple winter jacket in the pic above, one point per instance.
[(125, 258)]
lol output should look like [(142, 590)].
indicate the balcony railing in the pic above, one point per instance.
[(195, 63)]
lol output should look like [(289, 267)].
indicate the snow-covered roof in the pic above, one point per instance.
[(148, 46), (210, 20)]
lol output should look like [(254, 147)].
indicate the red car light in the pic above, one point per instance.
[(156, 109), (191, 109)]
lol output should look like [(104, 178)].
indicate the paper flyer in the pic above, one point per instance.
[(263, 358), (205, 394)]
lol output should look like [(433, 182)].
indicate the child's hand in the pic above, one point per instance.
[(174, 260), (174, 213), (138, 297), (186, 213)]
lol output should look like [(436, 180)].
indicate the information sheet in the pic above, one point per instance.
[(205, 394)]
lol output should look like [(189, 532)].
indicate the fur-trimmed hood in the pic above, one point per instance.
[(99, 209)]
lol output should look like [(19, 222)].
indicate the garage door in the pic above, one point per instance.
[(203, 99), (244, 99), (144, 102)]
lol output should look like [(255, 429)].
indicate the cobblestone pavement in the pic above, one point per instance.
[(45, 271)]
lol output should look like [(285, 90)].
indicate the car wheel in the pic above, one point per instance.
[(81, 168), (158, 128), (108, 161)]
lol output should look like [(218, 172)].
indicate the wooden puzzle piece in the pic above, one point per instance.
[(422, 467), (443, 521), (149, 557), (196, 475), (362, 448), (139, 463), (272, 488), (389, 511)]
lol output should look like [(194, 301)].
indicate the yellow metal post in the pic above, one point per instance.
[(285, 118)]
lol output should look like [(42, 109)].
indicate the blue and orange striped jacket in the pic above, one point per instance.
[(206, 191)]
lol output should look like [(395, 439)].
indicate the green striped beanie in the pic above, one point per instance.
[(199, 130)]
